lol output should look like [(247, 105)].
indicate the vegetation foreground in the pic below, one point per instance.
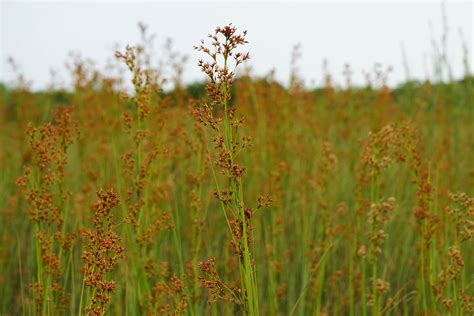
[(246, 198)]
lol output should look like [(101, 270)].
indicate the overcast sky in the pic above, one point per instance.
[(39, 35)]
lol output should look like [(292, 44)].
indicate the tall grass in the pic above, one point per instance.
[(238, 196)]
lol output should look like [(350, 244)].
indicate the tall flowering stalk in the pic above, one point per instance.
[(138, 163), (101, 252), (43, 184), (451, 289), (221, 120)]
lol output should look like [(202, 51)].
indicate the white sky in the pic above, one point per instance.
[(39, 35)]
